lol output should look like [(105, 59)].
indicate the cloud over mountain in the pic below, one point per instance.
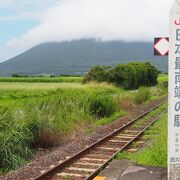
[(126, 20)]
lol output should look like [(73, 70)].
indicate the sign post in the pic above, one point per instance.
[(174, 94)]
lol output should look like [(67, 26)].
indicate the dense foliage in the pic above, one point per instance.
[(128, 76), (97, 73)]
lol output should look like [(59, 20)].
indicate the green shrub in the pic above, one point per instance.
[(102, 106), (97, 73), (142, 95), (124, 76), (129, 76)]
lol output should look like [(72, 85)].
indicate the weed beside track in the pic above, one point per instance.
[(155, 152)]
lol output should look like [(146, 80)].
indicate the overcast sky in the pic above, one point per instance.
[(26, 23)]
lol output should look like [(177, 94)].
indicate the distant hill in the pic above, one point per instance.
[(78, 56)]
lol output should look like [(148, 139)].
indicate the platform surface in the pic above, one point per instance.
[(127, 170)]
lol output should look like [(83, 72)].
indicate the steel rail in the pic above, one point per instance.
[(126, 145), (49, 173)]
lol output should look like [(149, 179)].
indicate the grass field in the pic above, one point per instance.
[(42, 114), (41, 79), (61, 79), (162, 78), (155, 153)]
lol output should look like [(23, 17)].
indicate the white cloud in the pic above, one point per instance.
[(128, 20), (26, 4), (27, 9), (7, 18)]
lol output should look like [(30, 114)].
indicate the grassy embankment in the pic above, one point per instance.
[(155, 152), (43, 114)]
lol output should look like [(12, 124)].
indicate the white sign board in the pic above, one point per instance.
[(174, 93)]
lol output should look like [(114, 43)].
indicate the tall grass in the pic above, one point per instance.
[(102, 106), (15, 139), (43, 118), (126, 102), (142, 95)]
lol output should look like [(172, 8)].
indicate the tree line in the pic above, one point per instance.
[(129, 76)]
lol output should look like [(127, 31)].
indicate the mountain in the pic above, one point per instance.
[(78, 56)]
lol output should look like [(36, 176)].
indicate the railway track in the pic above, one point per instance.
[(86, 164)]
